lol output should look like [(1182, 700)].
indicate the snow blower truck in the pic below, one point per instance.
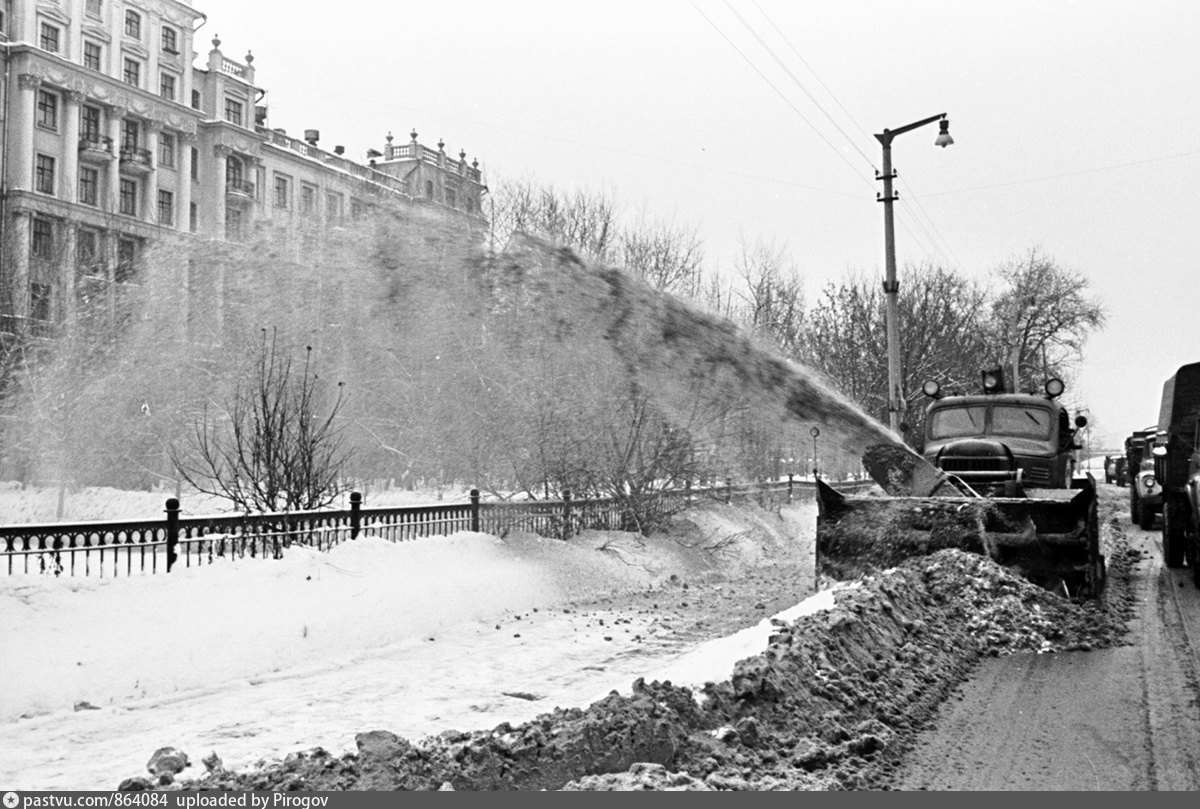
[(996, 476)]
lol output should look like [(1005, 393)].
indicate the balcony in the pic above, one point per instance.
[(95, 149), (239, 192), (136, 159)]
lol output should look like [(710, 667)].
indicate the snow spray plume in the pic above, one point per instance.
[(674, 348)]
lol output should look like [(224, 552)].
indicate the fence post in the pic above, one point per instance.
[(791, 478), (475, 510), (566, 528), (172, 531), (355, 514)]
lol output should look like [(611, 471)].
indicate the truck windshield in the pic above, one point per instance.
[(1021, 420), (956, 421)]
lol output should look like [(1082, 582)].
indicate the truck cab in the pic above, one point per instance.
[(999, 442), (1176, 453)]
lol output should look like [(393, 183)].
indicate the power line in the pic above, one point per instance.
[(780, 93), (771, 52), (804, 62), (933, 240), (1044, 177)]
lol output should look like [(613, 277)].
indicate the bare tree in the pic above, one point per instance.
[(942, 337), (1041, 318), (583, 220), (271, 449), (668, 258), (772, 294)]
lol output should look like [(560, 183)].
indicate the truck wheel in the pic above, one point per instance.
[(1174, 534)]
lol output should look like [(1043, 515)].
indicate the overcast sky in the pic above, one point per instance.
[(1076, 131)]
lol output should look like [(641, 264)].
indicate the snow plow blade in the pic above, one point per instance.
[(1051, 538)]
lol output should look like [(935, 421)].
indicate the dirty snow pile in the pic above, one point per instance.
[(255, 658), (829, 703)]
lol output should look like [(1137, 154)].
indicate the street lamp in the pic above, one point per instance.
[(891, 287), (814, 432)]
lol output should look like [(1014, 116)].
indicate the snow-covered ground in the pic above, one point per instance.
[(258, 658)]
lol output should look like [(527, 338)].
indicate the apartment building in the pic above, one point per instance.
[(115, 131)]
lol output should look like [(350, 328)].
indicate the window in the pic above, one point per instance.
[(47, 109), (49, 37), (308, 199), (195, 164), (233, 111), (87, 250), (130, 130), (128, 197), (126, 256), (1027, 421), (195, 99), (166, 86), (166, 207), (333, 206), (233, 224), (283, 197), (92, 55), (89, 185), (93, 8), (169, 40), (42, 243), (429, 189), (450, 197), (957, 421), (40, 299), (89, 124), (133, 24), (233, 173), (193, 217), (357, 209), (166, 150), (44, 174), (133, 72)]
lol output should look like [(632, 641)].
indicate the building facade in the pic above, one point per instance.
[(116, 132)]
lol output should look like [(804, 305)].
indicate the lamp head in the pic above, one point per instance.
[(943, 138)]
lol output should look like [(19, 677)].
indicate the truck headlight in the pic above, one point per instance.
[(1149, 481)]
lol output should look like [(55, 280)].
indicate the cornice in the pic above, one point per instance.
[(96, 32), (52, 11), (105, 90)]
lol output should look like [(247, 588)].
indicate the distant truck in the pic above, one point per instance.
[(1177, 468), (1121, 472), (1145, 492)]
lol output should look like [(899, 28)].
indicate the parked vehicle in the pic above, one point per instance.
[(1122, 474), (1177, 468), (1145, 494)]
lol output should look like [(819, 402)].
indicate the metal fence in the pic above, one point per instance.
[(130, 547)]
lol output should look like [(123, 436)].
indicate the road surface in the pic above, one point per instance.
[(1124, 718)]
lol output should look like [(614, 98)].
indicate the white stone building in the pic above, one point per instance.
[(115, 132)]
